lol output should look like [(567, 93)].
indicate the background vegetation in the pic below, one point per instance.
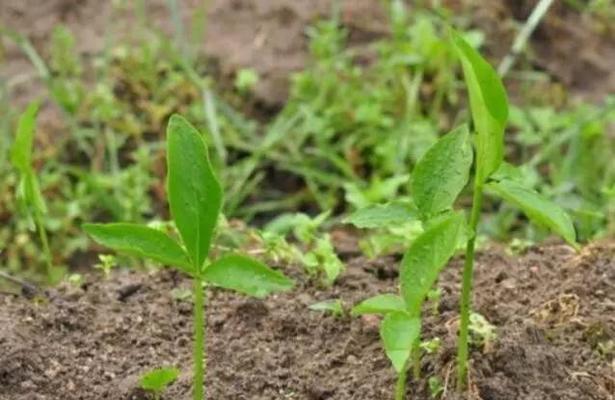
[(356, 121)]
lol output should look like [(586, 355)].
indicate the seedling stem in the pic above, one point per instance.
[(400, 388), (199, 355), (466, 289)]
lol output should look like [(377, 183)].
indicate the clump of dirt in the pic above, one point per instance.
[(553, 311)]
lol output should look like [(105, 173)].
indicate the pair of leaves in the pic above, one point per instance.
[(420, 267), (158, 379), (438, 178), (195, 198)]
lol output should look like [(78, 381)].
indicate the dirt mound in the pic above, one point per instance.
[(553, 311)]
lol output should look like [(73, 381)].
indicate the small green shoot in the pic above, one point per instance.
[(157, 380), (435, 387), (400, 329), (333, 306), (29, 195), (245, 80), (106, 264), (482, 332), (195, 199), (431, 346)]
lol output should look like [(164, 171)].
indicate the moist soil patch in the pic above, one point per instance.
[(553, 310)]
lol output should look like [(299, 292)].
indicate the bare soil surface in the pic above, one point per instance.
[(269, 36), (553, 309)]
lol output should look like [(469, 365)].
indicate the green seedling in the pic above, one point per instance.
[(431, 346), (29, 196), (246, 80), (437, 180), (401, 326), (482, 332), (435, 387), (195, 199), (157, 380), (333, 306), (489, 109), (106, 264)]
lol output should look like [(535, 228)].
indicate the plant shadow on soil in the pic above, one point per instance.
[(554, 311)]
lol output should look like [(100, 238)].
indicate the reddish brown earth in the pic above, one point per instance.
[(553, 309), (269, 36)]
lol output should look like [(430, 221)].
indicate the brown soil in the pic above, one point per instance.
[(269, 36), (554, 311)]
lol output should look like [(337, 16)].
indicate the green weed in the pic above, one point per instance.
[(29, 196), (157, 380)]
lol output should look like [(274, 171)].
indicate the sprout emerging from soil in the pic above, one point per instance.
[(437, 180), (195, 199), (157, 380)]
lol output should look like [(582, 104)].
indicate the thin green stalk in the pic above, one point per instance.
[(400, 387), (466, 290), (416, 360), (38, 220), (198, 354)]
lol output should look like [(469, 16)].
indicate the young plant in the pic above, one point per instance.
[(29, 196), (318, 255), (438, 178), (401, 326), (157, 380), (195, 199), (489, 109)]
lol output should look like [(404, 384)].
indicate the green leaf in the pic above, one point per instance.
[(381, 215), (381, 304), (21, 151), (537, 208), (442, 173), (324, 258), (399, 333), (246, 275), (195, 195), (334, 306), (157, 380), (426, 257), (489, 106), (141, 241), (29, 194)]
